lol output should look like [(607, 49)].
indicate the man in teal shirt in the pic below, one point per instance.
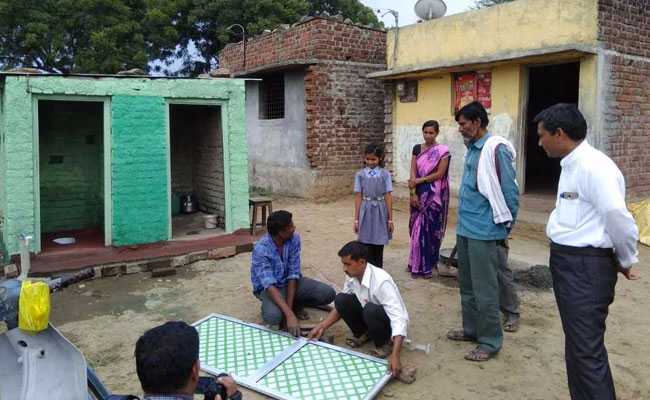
[(479, 237)]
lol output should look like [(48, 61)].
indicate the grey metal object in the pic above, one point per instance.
[(243, 33), (9, 294), (430, 9), (448, 257), (41, 366), (25, 264), (395, 15), (189, 204), (253, 382)]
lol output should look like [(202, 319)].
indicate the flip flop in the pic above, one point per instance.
[(301, 314), (458, 335), (382, 351), (447, 271), (479, 355), (511, 325), (356, 342)]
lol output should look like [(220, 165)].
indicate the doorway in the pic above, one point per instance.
[(547, 85), (71, 175), (197, 171)]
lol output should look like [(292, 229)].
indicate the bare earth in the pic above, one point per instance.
[(105, 317)]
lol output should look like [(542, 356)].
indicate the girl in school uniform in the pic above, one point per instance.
[(373, 205)]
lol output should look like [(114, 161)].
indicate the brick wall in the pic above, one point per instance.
[(389, 93), (624, 32), (344, 110), (316, 38), (208, 162), (72, 190), (139, 151)]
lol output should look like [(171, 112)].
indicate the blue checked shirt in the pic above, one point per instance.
[(475, 218), (269, 269)]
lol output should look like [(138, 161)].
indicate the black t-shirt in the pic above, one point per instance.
[(417, 149)]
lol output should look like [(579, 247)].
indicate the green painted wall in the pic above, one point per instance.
[(138, 116), (3, 178), (140, 187), (71, 165), (19, 161)]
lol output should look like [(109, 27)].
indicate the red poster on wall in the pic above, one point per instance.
[(473, 86), (465, 89), (484, 88)]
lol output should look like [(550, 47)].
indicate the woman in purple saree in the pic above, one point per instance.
[(429, 186)]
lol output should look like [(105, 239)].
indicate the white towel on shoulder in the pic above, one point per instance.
[(487, 179)]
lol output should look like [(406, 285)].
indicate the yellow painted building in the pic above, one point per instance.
[(535, 53)]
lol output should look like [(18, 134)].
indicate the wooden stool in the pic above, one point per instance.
[(266, 204)]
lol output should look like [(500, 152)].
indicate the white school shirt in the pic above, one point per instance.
[(590, 208), (378, 287)]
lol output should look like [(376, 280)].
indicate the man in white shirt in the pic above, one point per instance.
[(593, 237), (371, 306)]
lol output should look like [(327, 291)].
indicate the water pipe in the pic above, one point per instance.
[(25, 265)]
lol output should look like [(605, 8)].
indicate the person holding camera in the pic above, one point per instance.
[(167, 363)]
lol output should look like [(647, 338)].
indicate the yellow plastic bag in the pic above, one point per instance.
[(641, 212), (34, 306)]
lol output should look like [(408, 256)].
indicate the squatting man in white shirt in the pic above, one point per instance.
[(371, 306), (593, 238)]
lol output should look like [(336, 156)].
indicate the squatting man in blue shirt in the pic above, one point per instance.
[(277, 279)]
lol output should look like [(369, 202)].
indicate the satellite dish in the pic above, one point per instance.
[(430, 9)]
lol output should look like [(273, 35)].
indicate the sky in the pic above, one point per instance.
[(405, 9)]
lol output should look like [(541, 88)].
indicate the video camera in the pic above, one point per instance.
[(210, 388)]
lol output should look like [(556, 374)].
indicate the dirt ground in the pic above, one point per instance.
[(105, 317)]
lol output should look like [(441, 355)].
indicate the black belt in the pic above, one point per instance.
[(582, 251)]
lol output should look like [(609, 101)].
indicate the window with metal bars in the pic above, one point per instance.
[(272, 97)]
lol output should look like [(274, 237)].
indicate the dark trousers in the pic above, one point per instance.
[(371, 319), (375, 254), (584, 281), (478, 269), (508, 298), (309, 293)]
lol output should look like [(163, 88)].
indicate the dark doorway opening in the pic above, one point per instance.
[(547, 85), (197, 171), (71, 175)]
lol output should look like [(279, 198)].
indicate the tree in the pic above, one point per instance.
[(489, 3), (352, 9), (182, 37), (99, 36), (201, 26)]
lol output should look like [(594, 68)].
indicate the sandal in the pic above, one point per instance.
[(511, 325), (355, 342), (447, 271), (479, 355), (382, 351), (301, 314), (458, 335)]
